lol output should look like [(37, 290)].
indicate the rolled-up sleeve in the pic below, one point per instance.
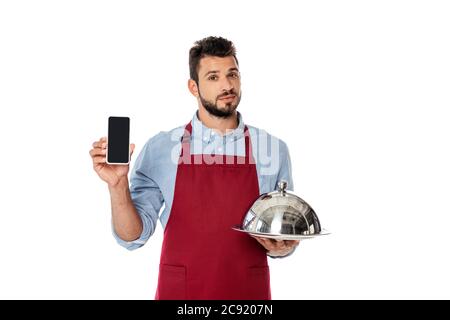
[(285, 173), (146, 196)]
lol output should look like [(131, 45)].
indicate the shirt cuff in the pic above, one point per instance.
[(130, 245), (286, 255)]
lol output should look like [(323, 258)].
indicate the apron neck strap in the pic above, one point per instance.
[(186, 142)]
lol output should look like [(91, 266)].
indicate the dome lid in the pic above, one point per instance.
[(281, 215)]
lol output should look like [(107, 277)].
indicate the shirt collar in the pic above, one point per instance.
[(200, 131)]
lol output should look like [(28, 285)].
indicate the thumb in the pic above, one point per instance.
[(132, 146)]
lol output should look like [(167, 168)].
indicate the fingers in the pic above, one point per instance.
[(102, 143), (292, 243), (97, 152), (97, 160), (277, 247), (99, 148), (271, 244)]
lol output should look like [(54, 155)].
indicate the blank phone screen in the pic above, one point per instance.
[(118, 139)]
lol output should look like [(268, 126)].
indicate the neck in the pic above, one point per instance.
[(220, 125)]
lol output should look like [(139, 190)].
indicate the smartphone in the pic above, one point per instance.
[(118, 151)]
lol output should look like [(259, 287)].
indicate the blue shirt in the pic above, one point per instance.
[(152, 179)]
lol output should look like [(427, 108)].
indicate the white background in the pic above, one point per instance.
[(359, 90)]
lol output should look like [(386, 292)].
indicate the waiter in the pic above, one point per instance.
[(208, 173)]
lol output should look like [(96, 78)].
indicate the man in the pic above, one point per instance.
[(208, 173)]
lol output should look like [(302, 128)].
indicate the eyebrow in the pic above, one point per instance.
[(217, 71)]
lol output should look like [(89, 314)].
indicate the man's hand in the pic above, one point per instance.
[(111, 174), (277, 248), (126, 220)]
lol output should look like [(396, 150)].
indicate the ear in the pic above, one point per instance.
[(193, 88)]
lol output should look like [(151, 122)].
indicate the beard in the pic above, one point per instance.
[(224, 112)]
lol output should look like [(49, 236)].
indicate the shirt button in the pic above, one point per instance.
[(219, 149), (205, 139)]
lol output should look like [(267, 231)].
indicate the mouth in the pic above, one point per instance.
[(230, 97)]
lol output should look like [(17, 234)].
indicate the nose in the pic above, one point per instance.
[(226, 85)]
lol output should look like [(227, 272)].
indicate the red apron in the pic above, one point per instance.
[(202, 257)]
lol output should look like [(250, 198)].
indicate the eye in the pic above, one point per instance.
[(212, 78), (234, 75)]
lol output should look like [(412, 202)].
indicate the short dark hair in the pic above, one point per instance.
[(210, 46)]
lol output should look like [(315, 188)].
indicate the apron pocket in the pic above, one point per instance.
[(259, 283), (172, 282)]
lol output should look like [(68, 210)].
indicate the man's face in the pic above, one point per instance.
[(219, 85)]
